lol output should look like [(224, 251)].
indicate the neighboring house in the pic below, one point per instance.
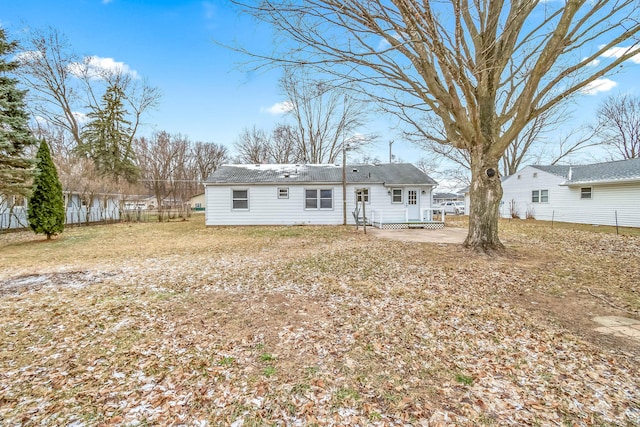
[(393, 194), (197, 202), (80, 208), (439, 198), (600, 194)]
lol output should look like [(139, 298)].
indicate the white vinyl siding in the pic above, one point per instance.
[(267, 209), (565, 204)]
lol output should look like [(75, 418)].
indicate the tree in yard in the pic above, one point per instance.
[(205, 157), (484, 69), (16, 166), (253, 146), (64, 86), (160, 159), (324, 116), (618, 125), (108, 138), (46, 204)]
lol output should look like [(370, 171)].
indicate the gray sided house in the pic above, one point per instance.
[(313, 194), (600, 194)]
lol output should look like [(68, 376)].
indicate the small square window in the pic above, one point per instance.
[(544, 196), (283, 192), (585, 193), (396, 195), (240, 199), (535, 174), (540, 196)]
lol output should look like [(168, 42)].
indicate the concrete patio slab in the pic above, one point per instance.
[(619, 326)]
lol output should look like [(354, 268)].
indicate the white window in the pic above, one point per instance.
[(318, 198), (396, 195), (540, 196), (362, 193), (240, 200), (283, 192), (585, 193)]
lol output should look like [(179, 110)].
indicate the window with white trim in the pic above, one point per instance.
[(240, 200), (540, 196), (283, 192), (318, 198), (396, 195), (362, 193), (585, 193)]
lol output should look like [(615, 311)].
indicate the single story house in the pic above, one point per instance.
[(197, 202), (393, 194), (600, 194), (439, 198)]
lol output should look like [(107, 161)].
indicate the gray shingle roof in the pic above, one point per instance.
[(618, 171), (387, 174)]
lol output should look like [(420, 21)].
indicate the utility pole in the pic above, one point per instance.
[(344, 182), (390, 155)]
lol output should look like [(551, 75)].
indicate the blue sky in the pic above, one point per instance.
[(205, 94)]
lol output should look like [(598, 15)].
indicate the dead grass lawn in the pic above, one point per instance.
[(178, 324)]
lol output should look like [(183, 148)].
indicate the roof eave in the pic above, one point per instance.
[(600, 182)]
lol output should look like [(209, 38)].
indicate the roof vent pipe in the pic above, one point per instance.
[(570, 173)]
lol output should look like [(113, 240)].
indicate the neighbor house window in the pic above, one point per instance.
[(585, 193), (362, 194), (540, 196), (240, 199), (318, 198), (396, 195), (283, 192)]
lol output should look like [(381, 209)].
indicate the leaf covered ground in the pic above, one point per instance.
[(179, 324)]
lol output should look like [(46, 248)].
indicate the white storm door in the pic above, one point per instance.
[(413, 204)]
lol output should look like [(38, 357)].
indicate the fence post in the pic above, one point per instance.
[(616, 212)]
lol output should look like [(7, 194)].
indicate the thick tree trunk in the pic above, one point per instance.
[(485, 193)]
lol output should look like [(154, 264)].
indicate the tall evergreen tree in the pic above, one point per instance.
[(108, 138), (46, 205), (16, 168)]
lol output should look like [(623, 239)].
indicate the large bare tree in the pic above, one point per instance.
[(484, 68), (324, 115), (65, 86), (618, 125)]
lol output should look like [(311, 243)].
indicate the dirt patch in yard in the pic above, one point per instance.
[(575, 311), (453, 235)]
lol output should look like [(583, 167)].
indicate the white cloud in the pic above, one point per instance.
[(599, 85), (617, 52), (279, 108), (593, 63), (384, 44), (80, 117), (96, 68), (209, 10), (28, 56)]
